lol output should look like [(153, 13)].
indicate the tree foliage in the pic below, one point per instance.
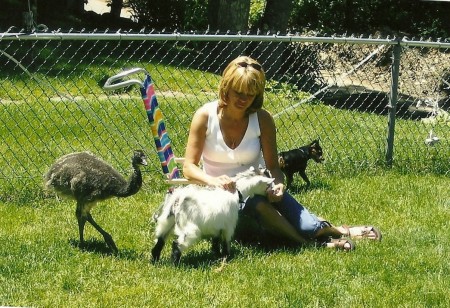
[(423, 18), (192, 14), (159, 14), (406, 17), (399, 17)]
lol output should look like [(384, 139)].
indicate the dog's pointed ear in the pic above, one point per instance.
[(315, 142)]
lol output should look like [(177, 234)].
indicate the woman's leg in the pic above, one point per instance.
[(310, 226), (328, 230), (276, 223), (290, 219), (354, 232), (270, 219), (306, 223)]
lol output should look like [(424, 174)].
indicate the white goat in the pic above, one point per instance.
[(196, 212)]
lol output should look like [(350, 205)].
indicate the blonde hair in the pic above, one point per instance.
[(244, 75)]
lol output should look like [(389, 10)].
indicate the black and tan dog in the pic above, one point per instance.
[(296, 160)]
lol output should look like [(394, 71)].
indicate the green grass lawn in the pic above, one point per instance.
[(41, 266)]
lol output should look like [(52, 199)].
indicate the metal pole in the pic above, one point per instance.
[(393, 103)]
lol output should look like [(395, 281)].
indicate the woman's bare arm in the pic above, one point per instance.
[(269, 149)]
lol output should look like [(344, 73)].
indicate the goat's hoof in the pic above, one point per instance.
[(176, 253), (176, 257), (155, 257)]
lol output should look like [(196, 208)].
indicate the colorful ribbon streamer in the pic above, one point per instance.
[(160, 135)]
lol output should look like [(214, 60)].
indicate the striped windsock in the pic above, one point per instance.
[(156, 119)]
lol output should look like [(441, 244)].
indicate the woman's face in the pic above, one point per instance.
[(240, 100)]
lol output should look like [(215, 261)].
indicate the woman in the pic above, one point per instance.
[(234, 133)]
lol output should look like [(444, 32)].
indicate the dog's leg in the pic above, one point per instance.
[(304, 177), (289, 178)]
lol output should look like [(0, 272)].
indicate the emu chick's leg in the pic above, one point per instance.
[(108, 238), (81, 222), (156, 251)]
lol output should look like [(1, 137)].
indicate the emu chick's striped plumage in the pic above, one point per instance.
[(88, 179)]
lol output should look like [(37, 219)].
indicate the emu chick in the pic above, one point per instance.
[(88, 179)]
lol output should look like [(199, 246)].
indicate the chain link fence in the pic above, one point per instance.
[(370, 102)]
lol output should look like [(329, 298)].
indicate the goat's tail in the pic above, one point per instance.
[(164, 217), (164, 226), (162, 206)]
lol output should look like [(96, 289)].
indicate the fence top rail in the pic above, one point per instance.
[(68, 36)]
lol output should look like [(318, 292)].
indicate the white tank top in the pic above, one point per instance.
[(219, 159)]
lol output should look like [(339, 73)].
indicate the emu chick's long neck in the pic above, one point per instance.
[(133, 185)]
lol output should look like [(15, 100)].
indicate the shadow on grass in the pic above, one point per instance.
[(315, 185), (206, 259), (266, 242), (196, 259), (99, 247)]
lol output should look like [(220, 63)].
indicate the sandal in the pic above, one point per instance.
[(341, 244), (359, 232)]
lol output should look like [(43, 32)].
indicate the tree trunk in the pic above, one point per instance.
[(30, 17), (275, 19), (213, 14), (116, 8), (276, 15), (232, 15), (75, 6), (227, 15)]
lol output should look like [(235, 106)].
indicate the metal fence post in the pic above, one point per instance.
[(393, 102)]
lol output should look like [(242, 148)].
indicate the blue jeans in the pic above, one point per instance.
[(306, 223)]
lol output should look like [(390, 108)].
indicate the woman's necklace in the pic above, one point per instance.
[(232, 143), (231, 140)]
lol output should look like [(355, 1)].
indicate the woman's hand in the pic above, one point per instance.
[(275, 192), (224, 182)]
